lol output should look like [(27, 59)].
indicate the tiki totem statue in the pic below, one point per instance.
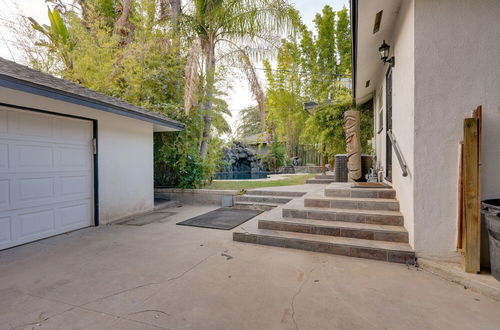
[(353, 142)]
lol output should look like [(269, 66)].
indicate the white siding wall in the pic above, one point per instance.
[(457, 54), (125, 155)]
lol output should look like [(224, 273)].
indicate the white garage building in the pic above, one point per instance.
[(69, 157)]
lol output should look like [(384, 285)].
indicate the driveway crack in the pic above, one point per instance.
[(299, 290)]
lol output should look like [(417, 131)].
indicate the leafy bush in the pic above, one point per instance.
[(177, 158), (276, 156)]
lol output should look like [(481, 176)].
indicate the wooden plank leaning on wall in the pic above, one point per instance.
[(470, 222)]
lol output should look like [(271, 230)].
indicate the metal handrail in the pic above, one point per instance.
[(402, 163)]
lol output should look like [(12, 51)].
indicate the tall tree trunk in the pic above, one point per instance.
[(175, 7), (209, 49), (123, 27)]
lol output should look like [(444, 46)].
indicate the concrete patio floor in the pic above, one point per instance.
[(163, 276)]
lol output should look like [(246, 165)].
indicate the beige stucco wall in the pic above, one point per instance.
[(125, 155), (403, 84), (457, 67)]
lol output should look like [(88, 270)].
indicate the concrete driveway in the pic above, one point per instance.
[(163, 276)]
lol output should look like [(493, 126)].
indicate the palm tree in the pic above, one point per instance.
[(236, 29)]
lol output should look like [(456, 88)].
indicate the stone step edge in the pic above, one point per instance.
[(342, 224), (336, 228), (320, 180), (266, 237), (394, 218), (348, 211), (256, 203), (265, 196), (354, 199), (348, 192), (372, 204), (275, 193)]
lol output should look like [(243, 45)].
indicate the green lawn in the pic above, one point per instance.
[(238, 185)]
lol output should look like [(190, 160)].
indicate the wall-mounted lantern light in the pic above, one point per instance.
[(384, 54)]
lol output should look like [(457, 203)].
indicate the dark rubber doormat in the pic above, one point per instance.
[(224, 218)]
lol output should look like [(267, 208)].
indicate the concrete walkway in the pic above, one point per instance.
[(163, 276)]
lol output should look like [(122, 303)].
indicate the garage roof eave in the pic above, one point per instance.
[(21, 78)]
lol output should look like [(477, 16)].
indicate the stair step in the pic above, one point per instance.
[(353, 247), (255, 206), (360, 192), (262, 199), (379, 217), (275, 193), (338, 228), (353, 203), (320, 181), (326, 176)]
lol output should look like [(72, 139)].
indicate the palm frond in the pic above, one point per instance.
[(192, 76), (255, 86)]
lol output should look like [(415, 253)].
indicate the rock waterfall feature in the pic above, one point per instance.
[(241, 159)]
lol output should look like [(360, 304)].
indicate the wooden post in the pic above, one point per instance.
[(460, 236), (470, 261)]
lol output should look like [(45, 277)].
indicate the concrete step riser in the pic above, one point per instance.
[(325, 247), (267, 199), (392, 220), (360, 193), (319, 181), (327, 176), (275, 193), (260, 207), (388, 236), (353, 204)]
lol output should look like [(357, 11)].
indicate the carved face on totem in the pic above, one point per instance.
[(353, 144)]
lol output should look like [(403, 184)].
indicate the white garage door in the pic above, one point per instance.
[(46, 175)]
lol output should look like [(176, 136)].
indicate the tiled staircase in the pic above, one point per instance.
[(356, 222)]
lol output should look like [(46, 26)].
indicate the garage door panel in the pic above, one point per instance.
[(23, 190), (4, 156), (30, 125), (33, 157), (74, 185), (71, 158), (74, 215), (5, 230), (72, 131), (46, 176), (36, 223), (3, 121), (33, 189), (4, 193)]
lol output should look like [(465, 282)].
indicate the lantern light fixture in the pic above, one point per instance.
[(384, 54)]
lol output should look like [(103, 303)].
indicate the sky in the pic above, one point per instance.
[(239, 96)]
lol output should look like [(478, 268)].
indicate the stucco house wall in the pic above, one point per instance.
[(457, 67), (447, 63), (125, 157), (403, 84)]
